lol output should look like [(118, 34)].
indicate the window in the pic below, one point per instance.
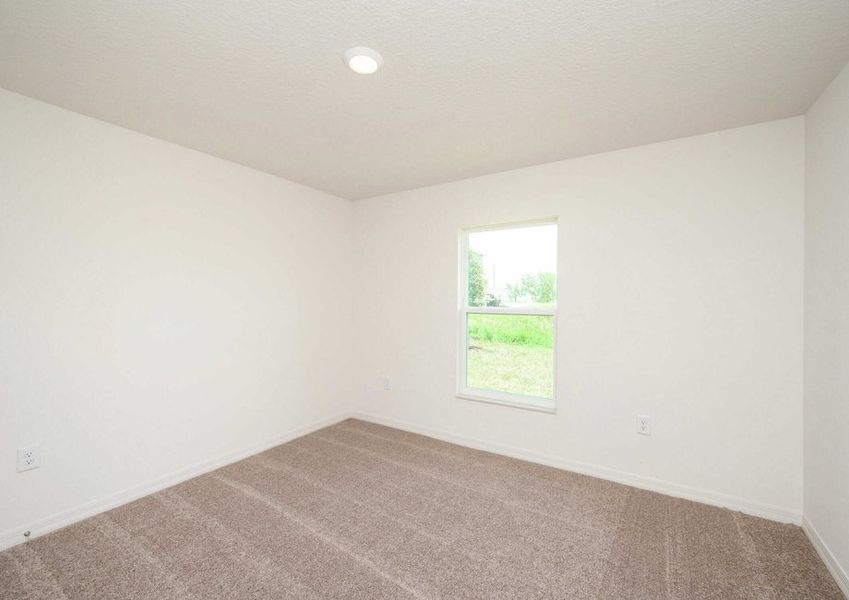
[(508, 291)]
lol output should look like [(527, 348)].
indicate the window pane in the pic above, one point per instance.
[(513, 354), (515, 266)]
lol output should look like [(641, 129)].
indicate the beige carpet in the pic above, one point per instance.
[(362, 511)]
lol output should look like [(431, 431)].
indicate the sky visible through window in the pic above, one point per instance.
[(508, 255)]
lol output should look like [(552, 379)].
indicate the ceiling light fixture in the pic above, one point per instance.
[(364, 61)]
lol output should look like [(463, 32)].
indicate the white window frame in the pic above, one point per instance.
[(464, 310)]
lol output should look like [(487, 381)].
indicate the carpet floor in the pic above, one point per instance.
[(361, 511)]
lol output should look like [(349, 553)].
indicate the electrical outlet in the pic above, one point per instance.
[(29, 458), (643, 425), (387, 383)]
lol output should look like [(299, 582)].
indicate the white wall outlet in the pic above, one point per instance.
[(643, 425), (387, 383), (29, 458)]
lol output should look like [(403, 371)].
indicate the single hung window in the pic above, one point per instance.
[(508, 309)]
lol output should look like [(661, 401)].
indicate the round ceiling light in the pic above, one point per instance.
[(364, 61)]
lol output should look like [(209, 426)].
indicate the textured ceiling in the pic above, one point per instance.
[(469, 87)]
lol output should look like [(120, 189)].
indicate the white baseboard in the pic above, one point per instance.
[(15, 536), (837, 571), (750, 507)]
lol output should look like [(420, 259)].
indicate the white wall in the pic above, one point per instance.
[(159, 308), (827, 322), (680, 286)]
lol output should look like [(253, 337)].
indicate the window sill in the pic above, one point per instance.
[(533, 404)]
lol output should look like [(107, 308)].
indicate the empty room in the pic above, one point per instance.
[(423, 299)]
